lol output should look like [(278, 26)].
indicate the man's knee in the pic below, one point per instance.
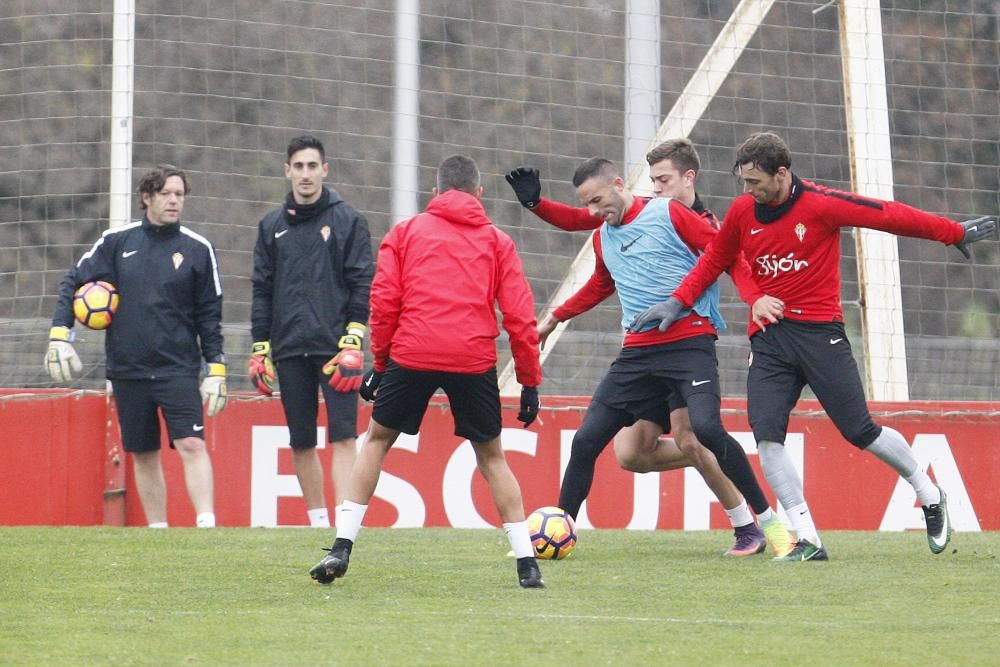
[(709, 433), (860, 434), (631, 449), (688, 443), (189, 446)]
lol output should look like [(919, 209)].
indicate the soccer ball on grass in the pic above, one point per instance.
[(95, 303), (553, 533)]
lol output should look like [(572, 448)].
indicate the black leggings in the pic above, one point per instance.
[(602, 423)]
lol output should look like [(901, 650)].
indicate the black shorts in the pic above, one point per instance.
[(403, 396), (792, 354), (138, 401), (300, 378), (650, 382)]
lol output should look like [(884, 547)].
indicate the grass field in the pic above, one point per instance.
[(447, 597)]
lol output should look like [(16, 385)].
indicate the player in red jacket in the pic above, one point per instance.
[(789, 231), (433, 325), (642, 447)]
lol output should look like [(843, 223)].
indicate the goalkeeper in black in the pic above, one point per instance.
[(312, 273), (169, 319)]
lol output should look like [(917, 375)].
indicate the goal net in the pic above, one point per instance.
[(220, 87)]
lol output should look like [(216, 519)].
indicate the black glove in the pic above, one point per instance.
[(529, 406), (369, 385), (526, 186), (975, 230), (666, 312)]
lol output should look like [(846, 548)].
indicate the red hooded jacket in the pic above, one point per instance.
[(440, 277)]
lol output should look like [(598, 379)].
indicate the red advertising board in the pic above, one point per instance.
[(62, 466)]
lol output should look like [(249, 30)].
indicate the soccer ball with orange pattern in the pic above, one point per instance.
[(95, 303), (552, 532)]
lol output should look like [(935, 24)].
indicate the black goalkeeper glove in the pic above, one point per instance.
[(529, 406), (975, 230), (526, 186), (666, 312)]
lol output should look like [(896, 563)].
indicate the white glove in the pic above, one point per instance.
[(213, 389), (61, 360)]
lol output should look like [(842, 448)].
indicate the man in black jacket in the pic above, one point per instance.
[(169, 318), (312, 272)]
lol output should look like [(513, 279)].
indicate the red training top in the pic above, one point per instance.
[(794, 248), (439, 276)]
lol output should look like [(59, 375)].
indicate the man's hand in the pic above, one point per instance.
[(370, 385), (767, 310), (975, 230), (529, 406), (545, 327), (345, 370), (526, 186), (666, 311), (61, 360), (260, 368), (213, 389)]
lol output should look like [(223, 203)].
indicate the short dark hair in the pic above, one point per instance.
[(764, 150), (154, 180), (458, 172), (595, 166), (679, 151), (302, 143)]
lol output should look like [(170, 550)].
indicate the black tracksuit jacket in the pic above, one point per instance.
[(310, 277), (170, 309)]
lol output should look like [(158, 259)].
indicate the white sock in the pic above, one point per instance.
[(802, 523), (520, 540), (205, 520), (158, 524), (349, 518), (890, 446), (319, 517), (927, 491), (740, 515)]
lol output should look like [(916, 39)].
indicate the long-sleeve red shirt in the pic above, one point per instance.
[(439, 276), (794, 248)]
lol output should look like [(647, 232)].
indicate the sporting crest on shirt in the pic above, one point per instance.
[(178, 260), (800, 231), (324, 231)]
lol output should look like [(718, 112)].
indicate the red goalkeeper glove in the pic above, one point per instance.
[(260, 368), (345, 369)]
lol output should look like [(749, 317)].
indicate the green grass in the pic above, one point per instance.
[(443, 596)]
